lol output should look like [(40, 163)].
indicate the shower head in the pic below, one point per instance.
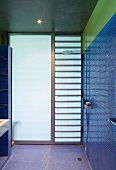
[(71, 52), (67, 52)]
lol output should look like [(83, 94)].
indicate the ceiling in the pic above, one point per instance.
[(59, 16)]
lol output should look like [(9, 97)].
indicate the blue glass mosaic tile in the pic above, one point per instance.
[(99, 134)]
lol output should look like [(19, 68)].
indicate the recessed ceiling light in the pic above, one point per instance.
[(39, 21)]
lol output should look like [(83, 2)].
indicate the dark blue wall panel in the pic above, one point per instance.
[(5, 101), (99, 86)]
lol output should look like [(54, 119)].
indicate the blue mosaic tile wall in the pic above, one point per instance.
[(99, 86)]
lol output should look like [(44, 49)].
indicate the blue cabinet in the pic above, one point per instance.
[(5, 100)]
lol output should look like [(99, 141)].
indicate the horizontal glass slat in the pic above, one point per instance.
[(62, 56), (67, 38), (67, 80), (69, 134), (67, 128), (67, 98), (68, 50), (67, 68), (67, 86), (67, 140), (67, 74), (67, 110), (67, 116), (67, 122), (67, 92), (67, 104), (67, 62), (67, 44)]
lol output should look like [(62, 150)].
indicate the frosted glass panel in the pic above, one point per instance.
[(68, 98), (67, 110), (67, 92), (73, 62), (31, 87), (67, 86), (67, 122), (67, 104), (67, 68), (67, 128), (67, 116), (68, 74), (67, 80), (67, 134), (68, 44), (72, 56), (67, 38), (67, 139)]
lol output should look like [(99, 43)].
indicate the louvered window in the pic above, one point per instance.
[(67, 88)]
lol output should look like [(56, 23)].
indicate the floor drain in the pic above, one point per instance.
[(79, 159)]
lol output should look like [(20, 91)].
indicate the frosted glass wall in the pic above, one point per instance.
[(31, 87)]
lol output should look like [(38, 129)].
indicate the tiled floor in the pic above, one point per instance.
[(3, 159), (47, 157)]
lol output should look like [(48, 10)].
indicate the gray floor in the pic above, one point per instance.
[(47, 157)]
